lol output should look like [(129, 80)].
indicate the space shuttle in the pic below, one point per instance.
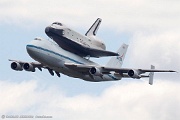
[(82, 45)]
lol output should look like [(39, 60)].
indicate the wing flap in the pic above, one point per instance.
[(78, 67)]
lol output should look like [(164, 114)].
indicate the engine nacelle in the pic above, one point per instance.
[(134, 74), (28, 67), (16, 66), (95, 71)]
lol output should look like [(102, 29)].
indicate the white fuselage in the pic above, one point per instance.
[(87, 41), (51, 55), (69, 34)]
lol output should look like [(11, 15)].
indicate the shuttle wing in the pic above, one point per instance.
[(87, 51), (81, 49)]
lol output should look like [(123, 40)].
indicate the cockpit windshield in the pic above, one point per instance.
[(57, 23)]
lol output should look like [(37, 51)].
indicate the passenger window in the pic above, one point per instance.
[(38, 39)]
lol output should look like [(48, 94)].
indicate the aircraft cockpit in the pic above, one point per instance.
[(57, 23)]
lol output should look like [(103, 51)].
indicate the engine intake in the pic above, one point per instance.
[(16, 66), (28, 67), (134, 74), (95, 71)]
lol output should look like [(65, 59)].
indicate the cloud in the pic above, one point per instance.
[(124, 100), (159, 49), (126, 15)]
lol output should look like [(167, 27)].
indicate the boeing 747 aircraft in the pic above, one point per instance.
[(50, 56), (82, 45)]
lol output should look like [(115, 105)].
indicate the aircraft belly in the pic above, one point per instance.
[(109, 77)]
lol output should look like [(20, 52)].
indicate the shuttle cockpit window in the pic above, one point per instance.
[(57, 23)]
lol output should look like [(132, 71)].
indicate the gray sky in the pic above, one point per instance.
[(150, 27)]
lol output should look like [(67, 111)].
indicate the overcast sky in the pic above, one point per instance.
[(150, 27)]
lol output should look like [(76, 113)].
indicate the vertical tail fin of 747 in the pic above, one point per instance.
[(117, 61)]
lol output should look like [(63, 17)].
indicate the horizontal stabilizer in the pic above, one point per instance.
[(151, 75)]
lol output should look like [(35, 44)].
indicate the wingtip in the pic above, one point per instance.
[(173, 71)]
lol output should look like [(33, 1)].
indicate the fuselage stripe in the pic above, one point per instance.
[(32, 46)]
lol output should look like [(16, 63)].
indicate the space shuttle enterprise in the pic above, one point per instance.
[(87, 45)]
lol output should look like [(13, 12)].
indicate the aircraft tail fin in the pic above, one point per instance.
[(94, 28), (117, 61)]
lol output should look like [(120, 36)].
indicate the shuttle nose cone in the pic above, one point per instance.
[(47, 29)]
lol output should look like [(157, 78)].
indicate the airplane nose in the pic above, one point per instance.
[(31, 46), (49, 30), (32, 51), (29, 49)]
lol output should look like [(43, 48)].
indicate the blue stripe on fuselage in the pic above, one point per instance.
[(40, 48), (32, 46)]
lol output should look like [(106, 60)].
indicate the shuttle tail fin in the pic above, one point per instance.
[(94, 28), (117, 61)]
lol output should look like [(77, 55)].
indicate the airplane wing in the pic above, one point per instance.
[(81, 67), (35, 64), (30, 66), (124, 72)]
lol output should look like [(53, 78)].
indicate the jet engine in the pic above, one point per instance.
[(28, 67), (95, 71), (16, 66), (134, 74)]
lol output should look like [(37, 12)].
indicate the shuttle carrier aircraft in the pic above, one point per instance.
[(56, 59)]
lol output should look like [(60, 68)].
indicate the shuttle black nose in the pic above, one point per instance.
[(47, 29)]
